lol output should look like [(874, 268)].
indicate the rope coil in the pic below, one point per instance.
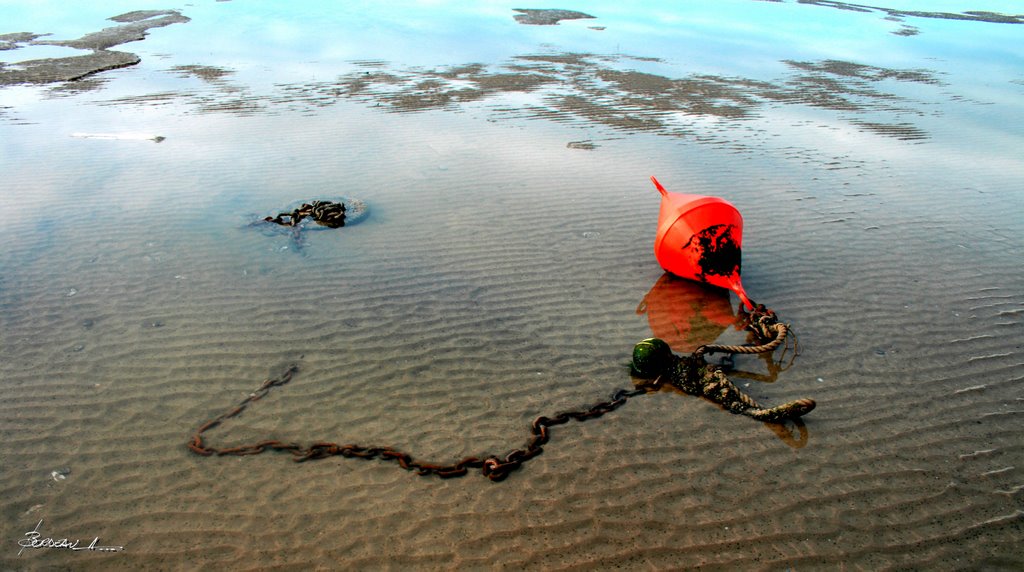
[(694, 376)]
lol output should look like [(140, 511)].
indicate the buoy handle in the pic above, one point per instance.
[(657, 185)]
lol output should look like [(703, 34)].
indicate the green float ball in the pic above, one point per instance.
[(651, 357)]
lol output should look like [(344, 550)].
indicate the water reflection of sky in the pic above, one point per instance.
[(736, 35), (265, 49)]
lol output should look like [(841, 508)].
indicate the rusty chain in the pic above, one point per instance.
[(326, 213), (690, 374), (494, 467)]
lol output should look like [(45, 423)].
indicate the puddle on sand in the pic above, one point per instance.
[(506, 272)]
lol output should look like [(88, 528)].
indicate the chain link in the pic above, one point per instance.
[(691, 374), (493, 467), (327, 213)]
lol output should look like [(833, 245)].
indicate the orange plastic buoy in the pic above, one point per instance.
[(699, 238)]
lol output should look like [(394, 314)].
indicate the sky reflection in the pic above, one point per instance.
[(729, 74)]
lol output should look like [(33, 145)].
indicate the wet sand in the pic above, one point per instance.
[(506, 272)]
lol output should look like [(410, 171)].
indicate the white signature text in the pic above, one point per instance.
[(35, 539)]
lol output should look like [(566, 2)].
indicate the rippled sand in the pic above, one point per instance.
[(504, 273)]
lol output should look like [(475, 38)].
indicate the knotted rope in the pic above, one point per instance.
[(694, 376)]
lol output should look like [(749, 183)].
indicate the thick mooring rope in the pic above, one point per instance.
[(694, 376), (691, 374), (764, 324)]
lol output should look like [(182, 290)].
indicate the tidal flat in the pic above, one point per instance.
[(502, 269)]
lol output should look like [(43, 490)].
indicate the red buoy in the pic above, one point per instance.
[(699, 238)]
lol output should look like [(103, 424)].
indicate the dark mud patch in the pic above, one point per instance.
[(135, 26), (907, 31), (7, 114), (582, 145), (51, 70), (225, 99), (602, 90), (210, 74), (583, 87), (534, 17), (78, 86), (16, 40), (217, 94), (898, 15), (903, 131), (865, 72)]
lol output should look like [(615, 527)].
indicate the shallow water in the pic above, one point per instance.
[(505, 271)]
